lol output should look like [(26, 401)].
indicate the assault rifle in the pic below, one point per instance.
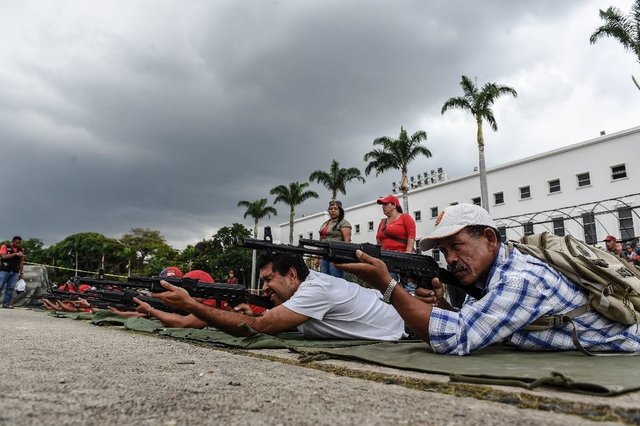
[(233, 294), (420, 268), (102, 299)]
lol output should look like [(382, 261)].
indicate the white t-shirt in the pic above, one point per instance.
[(341, 309)]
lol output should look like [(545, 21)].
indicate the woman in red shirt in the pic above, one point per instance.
[(397, 231)]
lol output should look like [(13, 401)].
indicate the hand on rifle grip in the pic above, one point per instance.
[(370, 269)]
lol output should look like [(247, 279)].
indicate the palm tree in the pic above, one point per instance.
[(292, 195), (257, 210), (624, 28), (336, 179), (396, 154), (129, 253), (478, 102)]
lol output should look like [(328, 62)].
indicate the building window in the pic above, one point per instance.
[(618, 172), (370, 226), (528, 228), (435, 253), (589, 226), (417, 215), (583, 179), (357, 228), (502, 230), (625, 219), (525, 192), (558, 226), (498, 198), (476, 201), (554, 186), (434, 212)]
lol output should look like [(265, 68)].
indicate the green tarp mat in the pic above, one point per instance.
[(569, 371), (259, 341), (72, 315), (254, 341), (498, 365)]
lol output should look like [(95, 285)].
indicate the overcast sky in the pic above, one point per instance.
[(165, 114)]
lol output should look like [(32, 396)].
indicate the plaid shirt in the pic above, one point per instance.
[(520, 289)]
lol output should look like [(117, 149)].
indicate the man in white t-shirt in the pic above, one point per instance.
[(320, 306)]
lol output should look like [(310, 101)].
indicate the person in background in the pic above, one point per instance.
[(12, 256), (631, 255), (613, 246), (397, 232), (232, 279), (336, 228), (69, 305)]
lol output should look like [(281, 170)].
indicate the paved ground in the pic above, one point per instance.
[(63, 372)]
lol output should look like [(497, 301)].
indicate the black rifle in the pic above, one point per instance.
[(102, 299), (420, 268), (233, 294), (100, 282)]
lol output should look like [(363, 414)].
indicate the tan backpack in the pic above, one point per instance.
[(613, 284)]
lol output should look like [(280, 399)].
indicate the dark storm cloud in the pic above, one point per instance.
[(162, 115)]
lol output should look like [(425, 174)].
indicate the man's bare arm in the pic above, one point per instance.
[(274, 321)]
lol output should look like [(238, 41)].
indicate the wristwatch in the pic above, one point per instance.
[(386, 297)]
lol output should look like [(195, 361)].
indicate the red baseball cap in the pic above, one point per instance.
[(83, 287), (389, 199), (610, 238), (171, 271), (199, 275)]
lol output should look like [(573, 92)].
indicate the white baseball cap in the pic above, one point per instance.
[(453, 219)]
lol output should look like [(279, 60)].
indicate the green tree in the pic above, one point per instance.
[(141, 243), (336, 179), (220, 253), (292, 195), (33, 248), (229, 254), (396, 154), (164, 256), (187, 258), (84, 252), (258, 210), (625, 29), (478, 102)]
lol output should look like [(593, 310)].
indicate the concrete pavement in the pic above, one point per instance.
[(60, 371)]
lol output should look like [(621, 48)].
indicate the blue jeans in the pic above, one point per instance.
[(10, 279), (327, 267)]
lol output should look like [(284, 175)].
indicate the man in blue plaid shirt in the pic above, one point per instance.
[(517, 289)]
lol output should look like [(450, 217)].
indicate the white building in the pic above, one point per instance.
[(589, 190)]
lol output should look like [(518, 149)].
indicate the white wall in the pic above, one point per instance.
[(595, 156)]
